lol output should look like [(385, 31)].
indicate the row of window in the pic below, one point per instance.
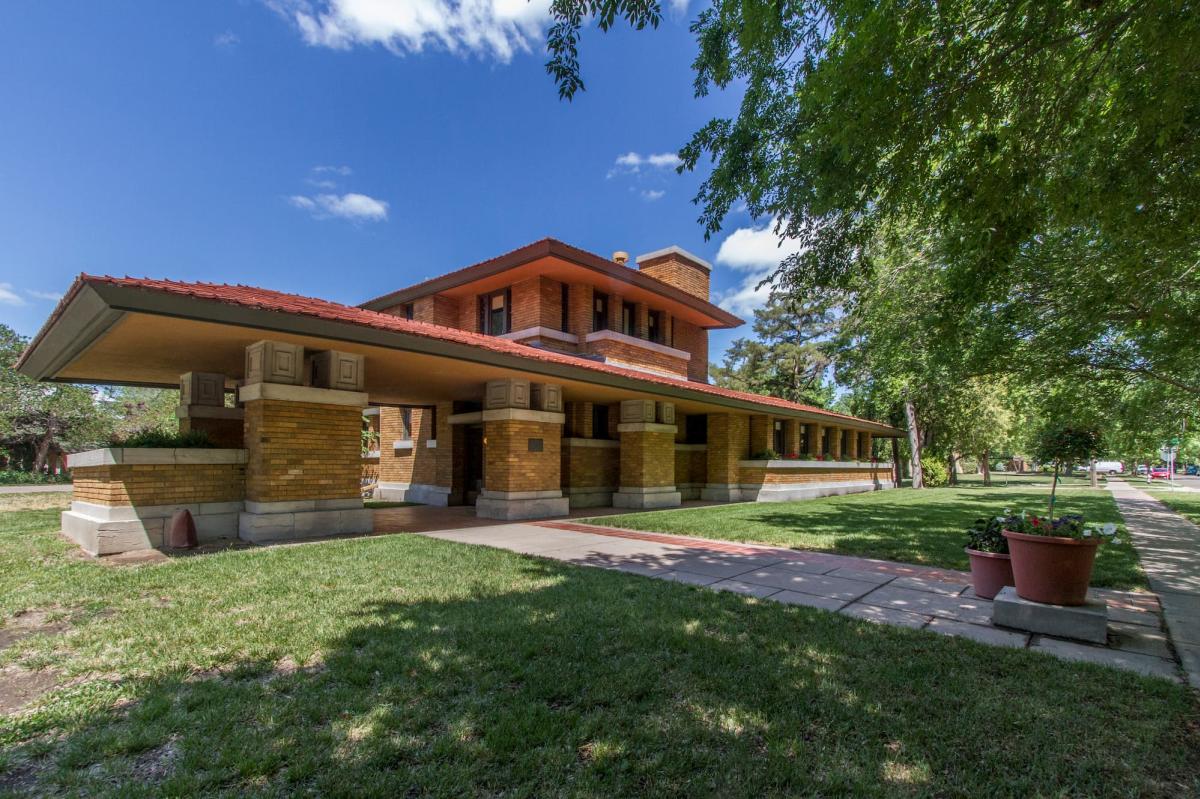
[(781, 445), (495, 315)]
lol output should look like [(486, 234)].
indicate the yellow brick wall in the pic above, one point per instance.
[(728, 441), (159, 484), (647, 459), (224, 433), (640, 356), (691, 466), (754, 475), (690, 338), (692, 279), (302, 450), (590, 467), (508, 465)]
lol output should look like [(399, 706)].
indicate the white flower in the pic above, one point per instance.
[(1087, 533), (1109, 529)]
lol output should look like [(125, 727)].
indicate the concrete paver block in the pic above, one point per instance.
[(690, 578), (749, 589), (808, 600), (979, 632), (1136, 638), (897, 618), (862, 575), (818, 584), (1130, 661), (933, 586), (930, 604), (1088, 622)]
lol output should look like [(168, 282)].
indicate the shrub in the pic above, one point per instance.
[(765, 455), (986, 535), (143, 439), (13, 477), (936, 473)]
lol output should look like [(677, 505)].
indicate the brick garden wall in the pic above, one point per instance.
[(159, 484), (589, 466), (754, 475), (640, 356)]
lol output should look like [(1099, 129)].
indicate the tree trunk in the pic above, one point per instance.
[(897, 467), (985, 465), (952, 471), (914, 444), (43, 450), (1054, 489)]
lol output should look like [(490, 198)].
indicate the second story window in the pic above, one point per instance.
[(654, 327), (566, 308), (408, 310), (628, 317), (600, 312), (495, 313)]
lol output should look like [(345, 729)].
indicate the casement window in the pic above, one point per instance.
[(407, 310), (696, 428), (628, 319), (780, 445), (805, 432), (599, 421), (495, 313), (565, 325), (654, 327), (406, 430), (599, 312)]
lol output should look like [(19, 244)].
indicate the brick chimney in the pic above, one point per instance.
[(679, 268)]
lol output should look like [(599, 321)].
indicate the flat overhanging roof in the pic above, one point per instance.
[(149, 332), (562, 262)]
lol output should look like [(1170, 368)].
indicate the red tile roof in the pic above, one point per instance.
[(281, 302)]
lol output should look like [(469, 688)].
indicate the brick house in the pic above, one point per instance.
[(545, 379)]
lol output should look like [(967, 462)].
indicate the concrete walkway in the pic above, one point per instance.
[(938, 600), (38, 488), (1169, 548)]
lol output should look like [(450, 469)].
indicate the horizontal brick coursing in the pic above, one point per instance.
[(623, 352), (647, 459), (159, 484), (590, 467), (728, 439), (302, 450), (508, 465), (694, 340), (691, 466), (753, 475), (684, 276)]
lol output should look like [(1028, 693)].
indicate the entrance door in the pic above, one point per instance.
[(473, 462)]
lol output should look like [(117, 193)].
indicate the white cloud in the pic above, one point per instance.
[(352, 206), (226, 39), (633, 162), (52, 296), (650, 195), (9, 296), (495, 28), (756, 252), (344, 171), (679, 6)]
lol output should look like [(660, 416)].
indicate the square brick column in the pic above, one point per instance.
[(816, 436), (835, 443), (522, 454), (303, 462), (852, 445), (728, 437), (791, 434), (865, 446), (760, 433), (647, 456)]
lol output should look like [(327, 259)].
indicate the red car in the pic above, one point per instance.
[(1159, 473)]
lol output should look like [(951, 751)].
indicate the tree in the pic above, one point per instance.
[(1060, 443), (789, 358), (36, 419), (1047, 151)]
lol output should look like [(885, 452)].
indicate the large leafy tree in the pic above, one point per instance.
[(1047, 152), (789, 357)]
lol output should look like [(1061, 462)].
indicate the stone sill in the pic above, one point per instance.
[(798, 464), (541, 332), (634, 341), (593, 443), (184, 456), (402, 443)]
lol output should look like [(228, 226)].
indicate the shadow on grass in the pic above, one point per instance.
[(598, 683)]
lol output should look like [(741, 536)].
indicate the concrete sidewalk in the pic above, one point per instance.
[(1169, 548), (938, 600)]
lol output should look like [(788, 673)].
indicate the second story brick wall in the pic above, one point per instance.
[(694, 340)]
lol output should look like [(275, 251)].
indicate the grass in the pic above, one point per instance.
[(1186, 503), (924, 527), (1002, 479), (404, 665)]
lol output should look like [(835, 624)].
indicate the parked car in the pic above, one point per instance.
[(1142, 468), (1110, 467), (1160, 473), (1192, 469)]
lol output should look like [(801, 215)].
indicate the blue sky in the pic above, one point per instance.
[(337, 148)]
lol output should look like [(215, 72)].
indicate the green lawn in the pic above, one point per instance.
[(1001, 479), (1184, 502), (924, 527), (400, 665)]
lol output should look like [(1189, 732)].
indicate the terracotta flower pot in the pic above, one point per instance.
[(990, 571), (1052, 569)]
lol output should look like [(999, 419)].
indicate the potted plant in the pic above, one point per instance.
[(987, 549), (1052, 559)]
